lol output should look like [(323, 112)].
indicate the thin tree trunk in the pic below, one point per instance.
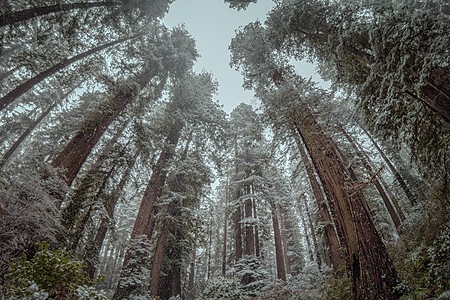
[(7, 73), (10, 18), (397, 175), (225, 232), (80, 146), (30, 83), (281, 271), (191, 291), (110, 207), (30, 129), (313, 234), (377, 184), (308, 242), (330, 233)]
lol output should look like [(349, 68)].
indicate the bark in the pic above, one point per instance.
[(330, 233), (30, 83), (237, 232), (367, 166), (308, 242), (281, 271), (191, 291), (397, 175), (161, 250), (90, 184), (80, 146), (249, 234), (257, 245), (284, 241), (313, 235), (12, 18), (369, 267), (225, 232)]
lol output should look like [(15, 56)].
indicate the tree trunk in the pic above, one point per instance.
[(281, 271), (8, 73), (110, 207), (80, 146), (284, 241), (249, 235), (30, 129), (370, 269), (191, 291), (308, 242), (366, 164), (330, 233), (397, 175), (237, 232), (257, 246), (313, 234), (27, 85), (10, 18), (161, 250), (225, 232)]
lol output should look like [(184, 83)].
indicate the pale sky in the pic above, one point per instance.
[(212, 24)]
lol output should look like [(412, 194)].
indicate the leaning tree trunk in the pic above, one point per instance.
[(369, 267), (80, 146), (313, 234), (397, 175), (11, 18), (281, 271), (30, 83), (330, 233), (367, 166)]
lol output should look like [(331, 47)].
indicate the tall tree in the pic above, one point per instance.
[(366, 256)]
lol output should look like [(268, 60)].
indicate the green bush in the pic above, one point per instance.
[(49, 275)]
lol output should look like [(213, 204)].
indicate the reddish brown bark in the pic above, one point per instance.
[(397, 175), (281, 271), (369, 267), (26, 14), (330, 233), (80, 146)]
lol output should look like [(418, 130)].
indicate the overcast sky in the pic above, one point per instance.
[(212, 23)]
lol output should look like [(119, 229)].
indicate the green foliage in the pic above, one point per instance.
[(49, 275), (337, 287), (421, 256)]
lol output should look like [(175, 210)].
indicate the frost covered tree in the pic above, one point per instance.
[(291, 101)]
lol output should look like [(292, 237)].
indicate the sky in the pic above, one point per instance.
[(212, 24)]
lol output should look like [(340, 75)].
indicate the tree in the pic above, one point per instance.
[(366, 256)]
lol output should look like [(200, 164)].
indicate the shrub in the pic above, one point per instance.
[(49, 275)]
